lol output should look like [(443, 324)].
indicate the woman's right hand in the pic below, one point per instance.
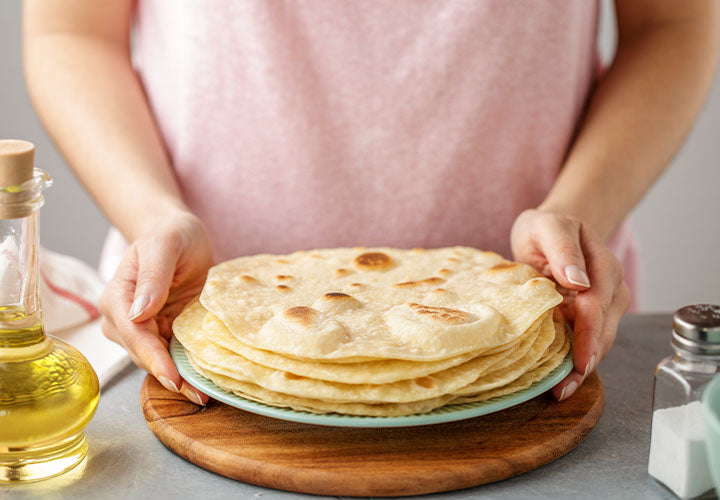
[(164, 268)]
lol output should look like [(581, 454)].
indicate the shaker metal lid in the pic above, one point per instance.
[(698, 322)]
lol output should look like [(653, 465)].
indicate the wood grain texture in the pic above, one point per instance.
[(371, 462)]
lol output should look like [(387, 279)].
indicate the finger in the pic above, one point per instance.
[(148, 355), (193, 394), (567, 307), (568, 386), (117, 296), (574, 379), (150, 352), (589, 325), (155, 270), (597, 313), (146, 348), (113, 304), (620, 304), (594, 311), (109, 330), (559, 241), (118, 293), (591, 309)]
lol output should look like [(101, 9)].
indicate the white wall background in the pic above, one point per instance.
[(70, 221), (678, 223)]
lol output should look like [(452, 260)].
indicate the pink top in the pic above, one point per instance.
[(296, 125)]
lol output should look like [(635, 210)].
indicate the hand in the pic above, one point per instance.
[(163, 270), (589, 276)]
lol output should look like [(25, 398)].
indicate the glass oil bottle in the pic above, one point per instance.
[(48, 390)]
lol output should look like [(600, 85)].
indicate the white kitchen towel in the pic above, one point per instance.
[(69, 291)]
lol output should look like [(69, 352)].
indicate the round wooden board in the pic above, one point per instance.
[(350, 461)]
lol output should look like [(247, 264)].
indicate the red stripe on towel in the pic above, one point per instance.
[(89, 307)]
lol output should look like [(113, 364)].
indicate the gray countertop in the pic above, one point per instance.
[(127, 461)]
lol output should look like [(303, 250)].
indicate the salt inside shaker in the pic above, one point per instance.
[(677, 445)]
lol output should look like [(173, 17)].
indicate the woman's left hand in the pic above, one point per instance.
[(589, 276)]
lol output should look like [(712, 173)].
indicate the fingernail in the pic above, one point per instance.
[(168, 384), (577, 276), (138, 306), (568, 390), (195, 398), (590, 365)]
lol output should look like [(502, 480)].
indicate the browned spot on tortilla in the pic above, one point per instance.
[(512, 272), (444, 271), (440, 290), (406, 284), (248, 279), (282, 261), (504, 266), (283, 277), (282, 288), (356, 284), (427, 281), (373, 261), (418, 250), (301, 314), (452, 259), (341, 299), (442, 314), (316, 256), (425, 382), (341, 271), (291, 376)]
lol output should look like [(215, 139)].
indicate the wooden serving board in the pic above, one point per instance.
[(371, 462)]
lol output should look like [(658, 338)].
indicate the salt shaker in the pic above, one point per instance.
[(677, 445)]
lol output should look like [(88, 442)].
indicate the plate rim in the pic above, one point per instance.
[(449, 413)]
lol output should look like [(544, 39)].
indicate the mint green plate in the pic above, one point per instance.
[(440, 415)]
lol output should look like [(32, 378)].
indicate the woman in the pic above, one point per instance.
[(257, 126)]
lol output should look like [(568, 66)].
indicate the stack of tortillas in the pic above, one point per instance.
[(381, 331)]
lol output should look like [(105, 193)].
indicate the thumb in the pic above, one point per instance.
[(560, 242), (156, 268)]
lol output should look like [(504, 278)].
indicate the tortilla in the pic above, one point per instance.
[(220, 360), (420, 305), (374, 331)]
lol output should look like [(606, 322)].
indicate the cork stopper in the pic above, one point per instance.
[(17, 160)]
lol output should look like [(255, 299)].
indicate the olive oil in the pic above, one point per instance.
[(48, 394), (48, 390)]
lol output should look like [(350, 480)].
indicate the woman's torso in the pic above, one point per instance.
[(408, 123)]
